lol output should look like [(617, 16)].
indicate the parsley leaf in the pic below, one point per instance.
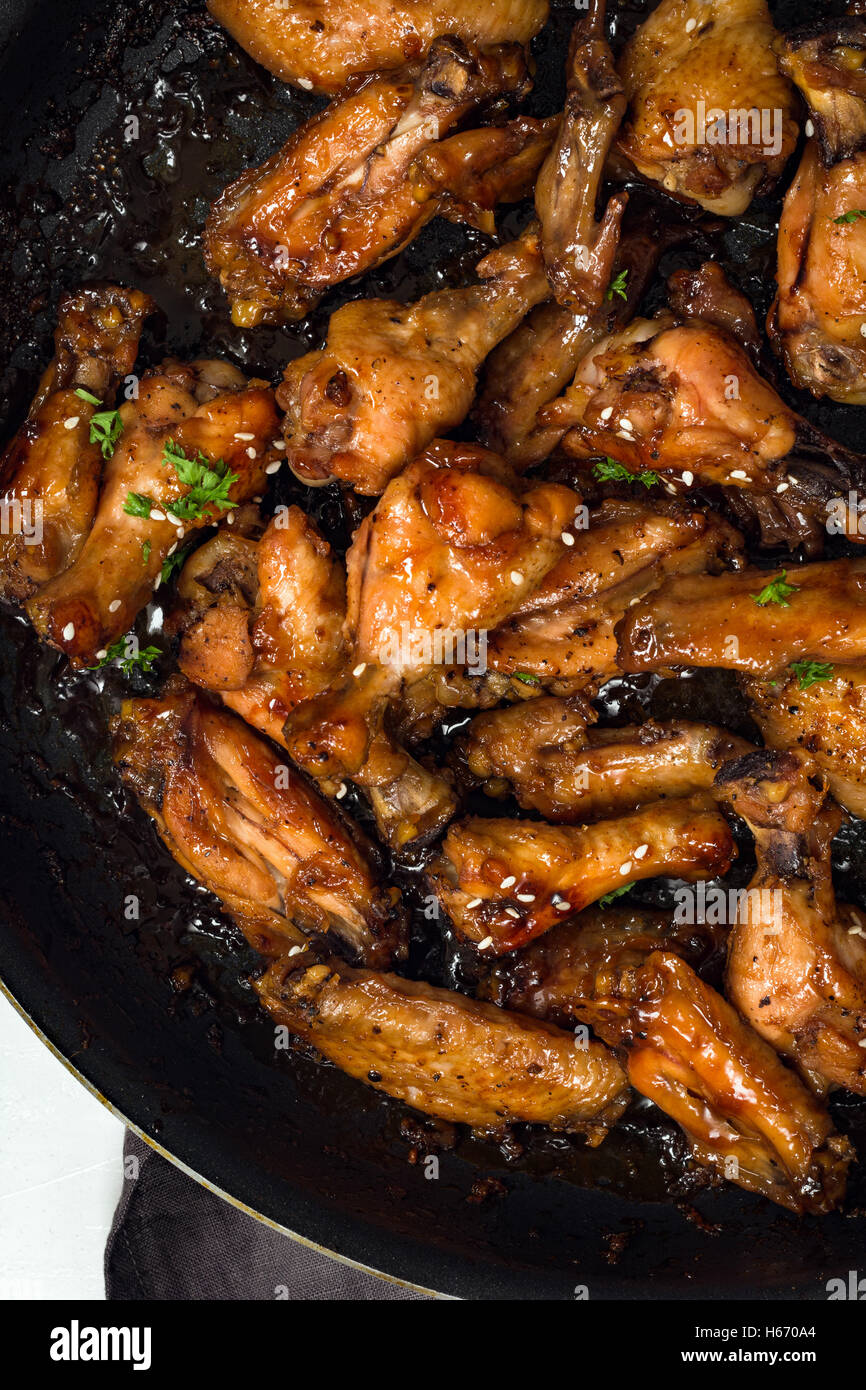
[(609, 471), (810, 672), (853, 216), (126, 654), (87, 396), (137, 504), (145, 552), (617, 286), (105, 430), (526, 678), (776, 591), (617, 893), (209, 484), (172, 563)]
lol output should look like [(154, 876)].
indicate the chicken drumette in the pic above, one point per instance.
[(322, 43), (50, 470)]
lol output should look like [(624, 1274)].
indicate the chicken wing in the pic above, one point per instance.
[(756, 621), (711, 117), (196, 442), (251, 830), (503, 882), (447, 1055), (322, 43), (563, 629), (821, 709), (797, 963), (342, 194), (393, 376), (818, 318), (50, 470), (555, 764)]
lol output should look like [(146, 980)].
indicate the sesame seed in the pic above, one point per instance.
[(157, 515), (669, 487), (101, 654), (862, 1042), (297, 950), (475, 902), (239, 435), (359, 670), (68, 632), (516, 577), (863, 330), (230, 519), (488, 941), (180, 533), (856, 931), (625, 423), (626, 868), (172, 549), (641, 851), (279, 444), (251, 453), (567, 538), (508, 882), (274, 467), (511, 912), (690, 25), (607, 412), (341, 791), (783, 487), (71, 422), (562, 907), (305, 83), (114, 605), (175, 520), (810, 129), (738, 473), (688, 478), (801, 518), (625, 434), (526, 897)]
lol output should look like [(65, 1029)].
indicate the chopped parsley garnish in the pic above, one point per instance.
[(526, 678), (609, 471), (847, 217), (618, 286), (209, 483), (128, 657), (137, 505), (172, 563), (617, 893), (105, 425), (145, 552), (777, 591), (810, 672)]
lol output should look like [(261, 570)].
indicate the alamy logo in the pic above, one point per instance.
[(77, 1343), (22, 516), (411, 647), (852, 1289), (725, 906), (761, 128)]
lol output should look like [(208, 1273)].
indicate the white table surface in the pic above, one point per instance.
[(60, 1172)]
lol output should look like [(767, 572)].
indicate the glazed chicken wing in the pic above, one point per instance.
[(756, 621), (447, 1055), (342, 194), (796, 961), (632, 978), (563, 629), (194, 433), (710, 118), (50, 470), (823, 711), (393, 376), (322, 43), (503, 882), (251, 830), (554, 764), (818, 318)]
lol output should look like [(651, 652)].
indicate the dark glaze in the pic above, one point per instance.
[(206, 112)]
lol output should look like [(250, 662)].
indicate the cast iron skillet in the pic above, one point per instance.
[(120, 122)]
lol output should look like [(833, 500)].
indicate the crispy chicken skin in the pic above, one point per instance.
[(322, 43), (445, 1054), (578, 251), (827, 720), (819, 313), (452, 545), (342, 195), (503, 882), (50, 470), (585, 970), (555, 764), (392, 376), (796, 960), (205, 407), (715, 620), (564, 628), (715, 57), (249, 828)]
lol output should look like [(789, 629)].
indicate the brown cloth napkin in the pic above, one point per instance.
[(172, 1239)]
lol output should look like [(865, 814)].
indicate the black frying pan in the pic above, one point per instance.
[(155, 1014)]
